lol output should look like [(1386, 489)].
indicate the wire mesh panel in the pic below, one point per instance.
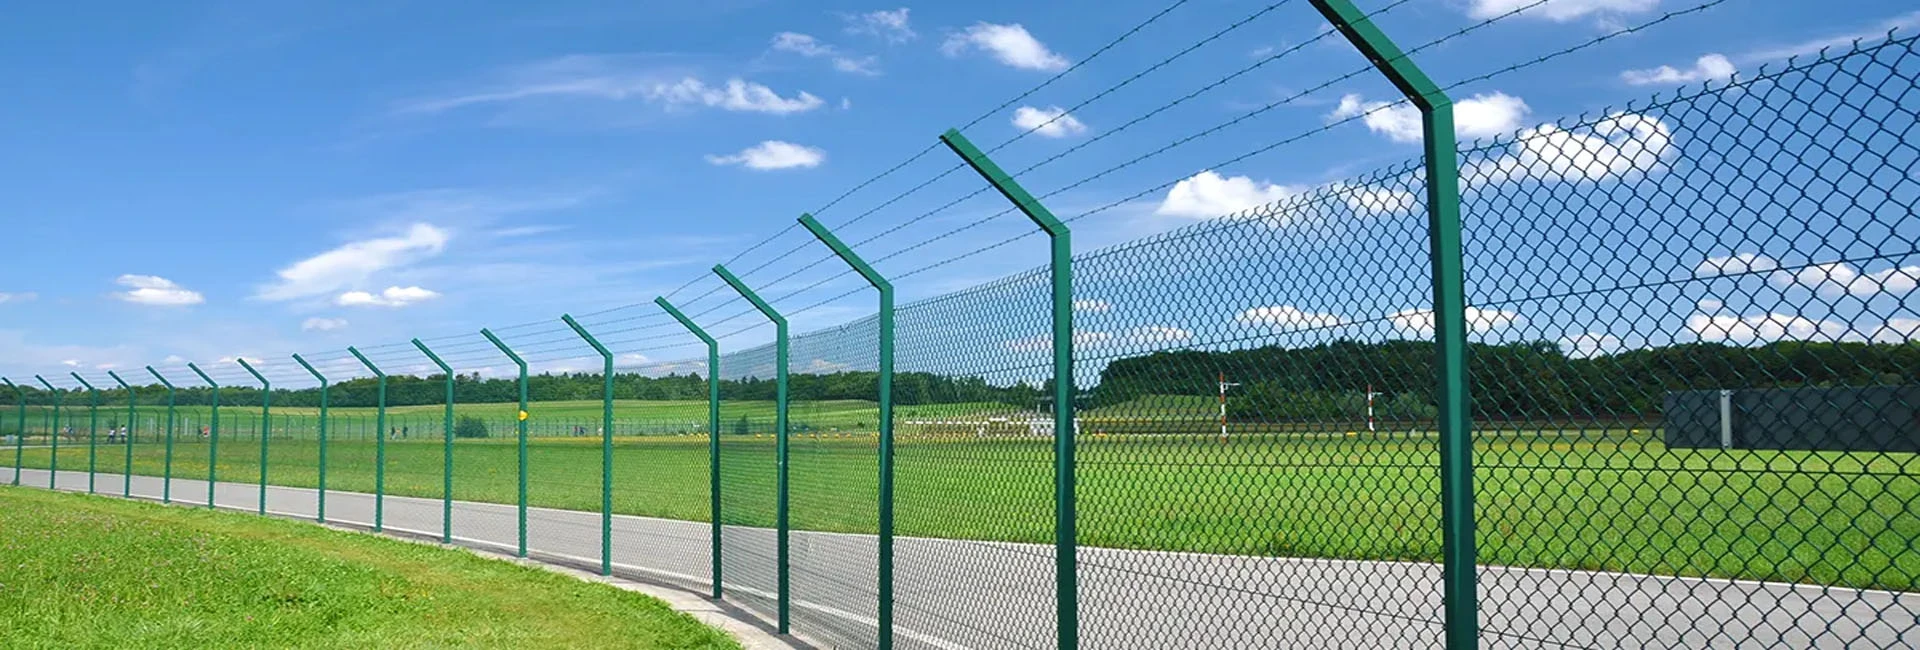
[(192, 445), (748, 466), (662, 479), (833, 456), (352, 456), (1693, 381), (564, 487), (974, 470), (416, 464), (1236, 488), (238, 470)]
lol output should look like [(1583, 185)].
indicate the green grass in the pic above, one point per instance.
[(1544, 498), (546, 419), (85, 572)]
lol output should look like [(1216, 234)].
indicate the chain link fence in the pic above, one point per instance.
[(1694, 380)]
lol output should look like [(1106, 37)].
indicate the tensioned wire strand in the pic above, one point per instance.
[(1531, 62), (1038, 127)]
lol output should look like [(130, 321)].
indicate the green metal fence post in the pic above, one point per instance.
[(520, 419), (320, 508), (606, 448), (53, 433), (266, 426), (1449, 312), (446, 474), (93, 427), (380, 443), (713, 429), (213, 435), (885, 565), (20, 437), (780, 437), (1066, 567), (126, 476), (166, 473)]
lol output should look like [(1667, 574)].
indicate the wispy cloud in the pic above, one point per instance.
[(322, 324), (27, 296), (614, 79), (813, 48), (773, 154), (1712, 67), (355, 262), (892, 26), (1008, 44), (157, 291), (1051, 122), (389, 297), (1909, 20)]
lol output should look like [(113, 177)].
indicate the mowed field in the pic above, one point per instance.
[(631, 417), (1562, 499)]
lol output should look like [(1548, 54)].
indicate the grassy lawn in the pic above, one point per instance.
[(106, 573), (546, 419), (1618, 501)]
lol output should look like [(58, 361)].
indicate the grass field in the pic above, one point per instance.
[(84, 572), (642, 417), (1619, 501)]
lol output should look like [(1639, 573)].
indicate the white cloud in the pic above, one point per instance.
[(389, 297), (156, 290), (737, 95), (1420, 321), (234, 359), (1092, 305), (1734, 264), (1287, 317), (1558, 11), (1009, 44), (1052, 121), (1369, 200), (1762, 328), (1897, 330), (322, 324), (355, 262), (174, 360), (810, 47), (1154, 334), (1478, 116), (891, 26), (71, 363), (1589, 345), (801, 44), (773, 154), (1207, 195), (1616, 146), (1839, 278), (1875, 32), (612, 78), (18, 297), (1712, 67)]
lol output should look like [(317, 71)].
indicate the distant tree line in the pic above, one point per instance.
[(1536, 380), (1518, 381)]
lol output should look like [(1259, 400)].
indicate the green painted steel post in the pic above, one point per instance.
[(213, 436), (93, 427), (885, 566), (1066, 562), (53, 460), (166, 473), (20, 437), (606, 448), (780, 438), (713, 430), (266, 426), (446, 455), (126, 476), (1459, 564), (320, 508), (520, 419), (380, 443)]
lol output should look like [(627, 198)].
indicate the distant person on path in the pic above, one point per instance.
[(403, 432)]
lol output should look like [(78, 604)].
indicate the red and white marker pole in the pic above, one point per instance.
[(1223, 406)]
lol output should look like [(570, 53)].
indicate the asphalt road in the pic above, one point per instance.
[(967, 594)]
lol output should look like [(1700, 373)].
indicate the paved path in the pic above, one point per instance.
[(966, 594)]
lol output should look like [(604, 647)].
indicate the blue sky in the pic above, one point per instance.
[(210, 180)]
